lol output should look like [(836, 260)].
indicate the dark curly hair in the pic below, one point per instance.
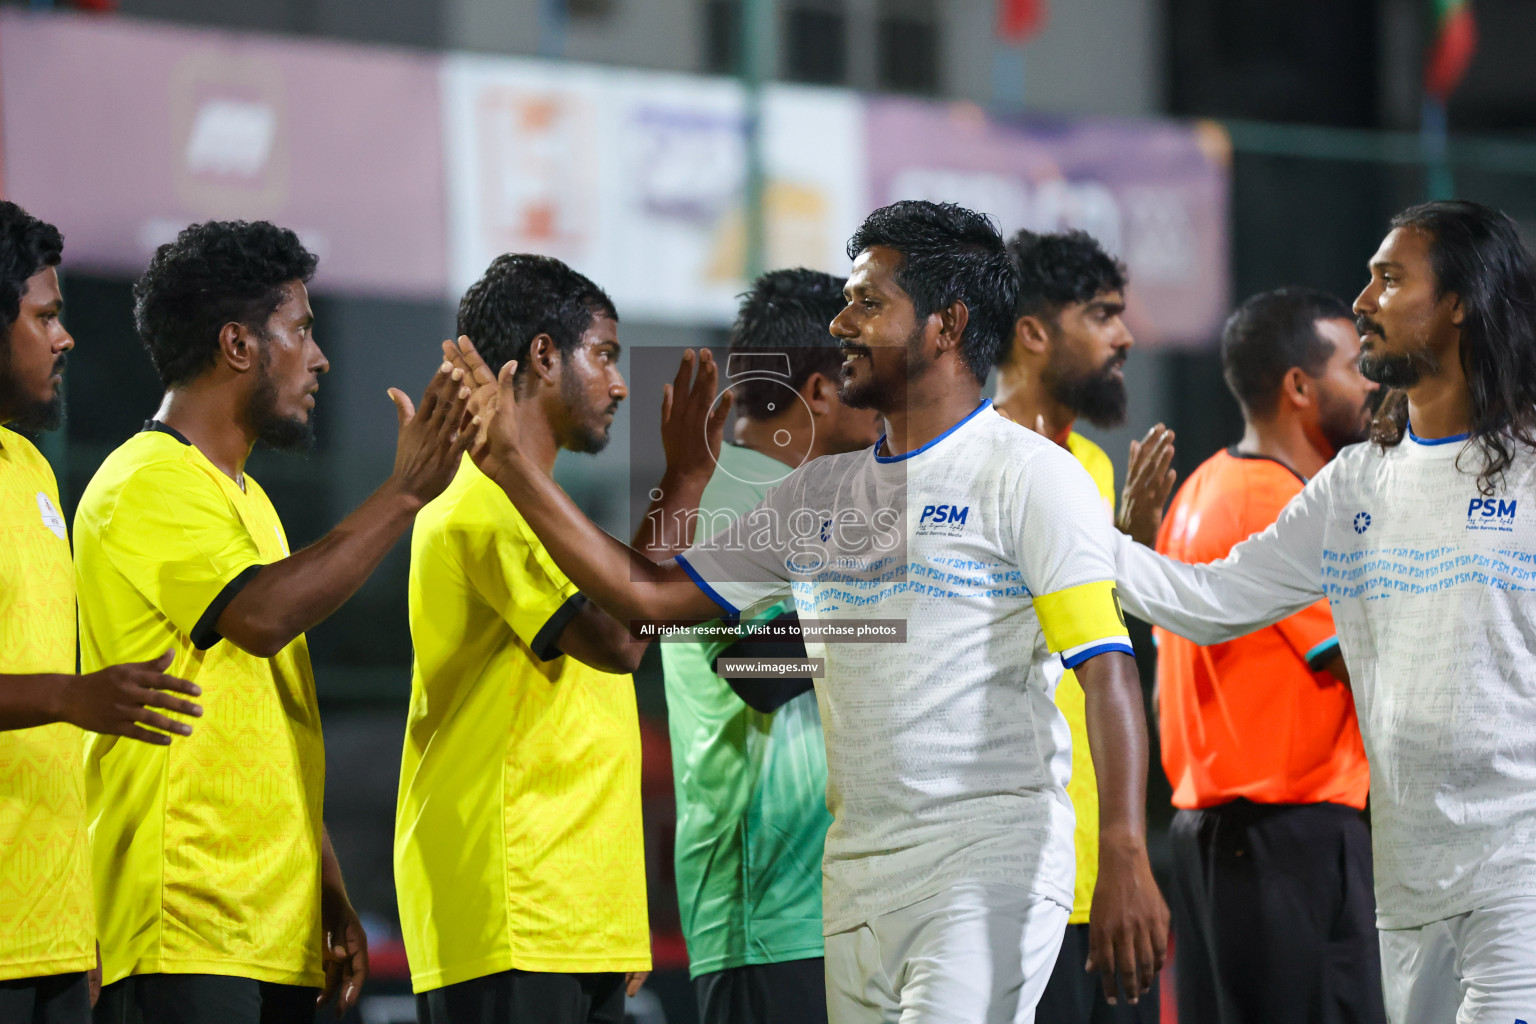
[(788, 311), (522, 296), (1477, 254), (1272, 332), (950, 254), (1060, 270), (216, 273), (27, 246)]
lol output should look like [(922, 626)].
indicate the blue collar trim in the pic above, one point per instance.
[(985, 404), (1430, 442)]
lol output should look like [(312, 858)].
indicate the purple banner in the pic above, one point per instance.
[(123, 132), (1153, 193)]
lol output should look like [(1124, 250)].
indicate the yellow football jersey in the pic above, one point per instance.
[(518, 839), (1084, 787), (206, 853), (47, 925)]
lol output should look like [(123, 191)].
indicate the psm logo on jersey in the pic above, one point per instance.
[(947, 519), (1362, 522), (1491, 514)]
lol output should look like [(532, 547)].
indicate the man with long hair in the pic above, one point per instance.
[(1424, 544), (948, 867)]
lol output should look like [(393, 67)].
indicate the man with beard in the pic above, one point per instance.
[(1423, 544), (1271, 892), (948, 866), (218, 897), (519, 856), (1065, 360), (47, 925)]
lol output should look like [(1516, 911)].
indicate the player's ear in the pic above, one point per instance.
[(1297, 389), (952, 321), (238, 347), (820, 394), (543, 360), (1030, 335)]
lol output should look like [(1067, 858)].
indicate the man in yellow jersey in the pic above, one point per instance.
[(519, 855), (218, 898), (1065, 361), (47, 925)]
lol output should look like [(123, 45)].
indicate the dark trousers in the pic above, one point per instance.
[(792, 992), (1274, 915), (51, 999), (1073, 996), (203, 999), (526, 997)]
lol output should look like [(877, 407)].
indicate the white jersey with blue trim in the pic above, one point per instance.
[(947, 758), (1432, 585)]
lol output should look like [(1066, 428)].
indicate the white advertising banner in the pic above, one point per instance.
[(637, 179)]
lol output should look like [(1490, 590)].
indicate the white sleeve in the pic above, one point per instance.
[(1264, 579)]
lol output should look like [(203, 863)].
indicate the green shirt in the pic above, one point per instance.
[(751, 788)]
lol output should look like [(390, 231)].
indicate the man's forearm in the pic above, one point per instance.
[(619, 579), (1117, 740), (671, 518), (30, 700), (299, 592)]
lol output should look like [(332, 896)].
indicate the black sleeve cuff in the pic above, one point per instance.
[(546, 646), (206, 633), (1322, 654)]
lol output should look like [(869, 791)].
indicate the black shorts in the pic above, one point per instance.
[(203, 999), (526, 997), (792, 992), (50, 999)]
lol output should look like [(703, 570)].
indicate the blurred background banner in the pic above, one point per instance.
[(122, 133), (638, 179), (1153, 193)]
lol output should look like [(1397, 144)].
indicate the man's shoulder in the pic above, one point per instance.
[(148, 467)]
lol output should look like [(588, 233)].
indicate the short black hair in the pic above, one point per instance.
[(215, 273), (789, 311), (950, 254), (1268, 335), (27, 247), (521, 296), (1060, 270)]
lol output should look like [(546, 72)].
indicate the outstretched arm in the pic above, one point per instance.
[(620, 580), (279, 601), (1267, 577)]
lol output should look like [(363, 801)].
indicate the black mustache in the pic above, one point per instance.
[(1365, 325), (59, 363)]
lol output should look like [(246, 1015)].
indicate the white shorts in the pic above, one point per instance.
[(1475, 968), (973, 954)]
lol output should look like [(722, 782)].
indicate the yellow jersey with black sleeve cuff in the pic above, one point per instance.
[(518, 836), (47, 925), (947, 758), (1084, 787), (206, 853)]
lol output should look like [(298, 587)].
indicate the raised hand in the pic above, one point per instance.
[(429, 444), (118, 700), (692, 423), (490, 414), (1149, 479)]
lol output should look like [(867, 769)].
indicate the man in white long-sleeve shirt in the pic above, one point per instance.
[(1424, 543)]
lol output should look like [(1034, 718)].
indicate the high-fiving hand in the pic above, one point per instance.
[(692, 422), (1149, 479), (490, 413), (430, 442)]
